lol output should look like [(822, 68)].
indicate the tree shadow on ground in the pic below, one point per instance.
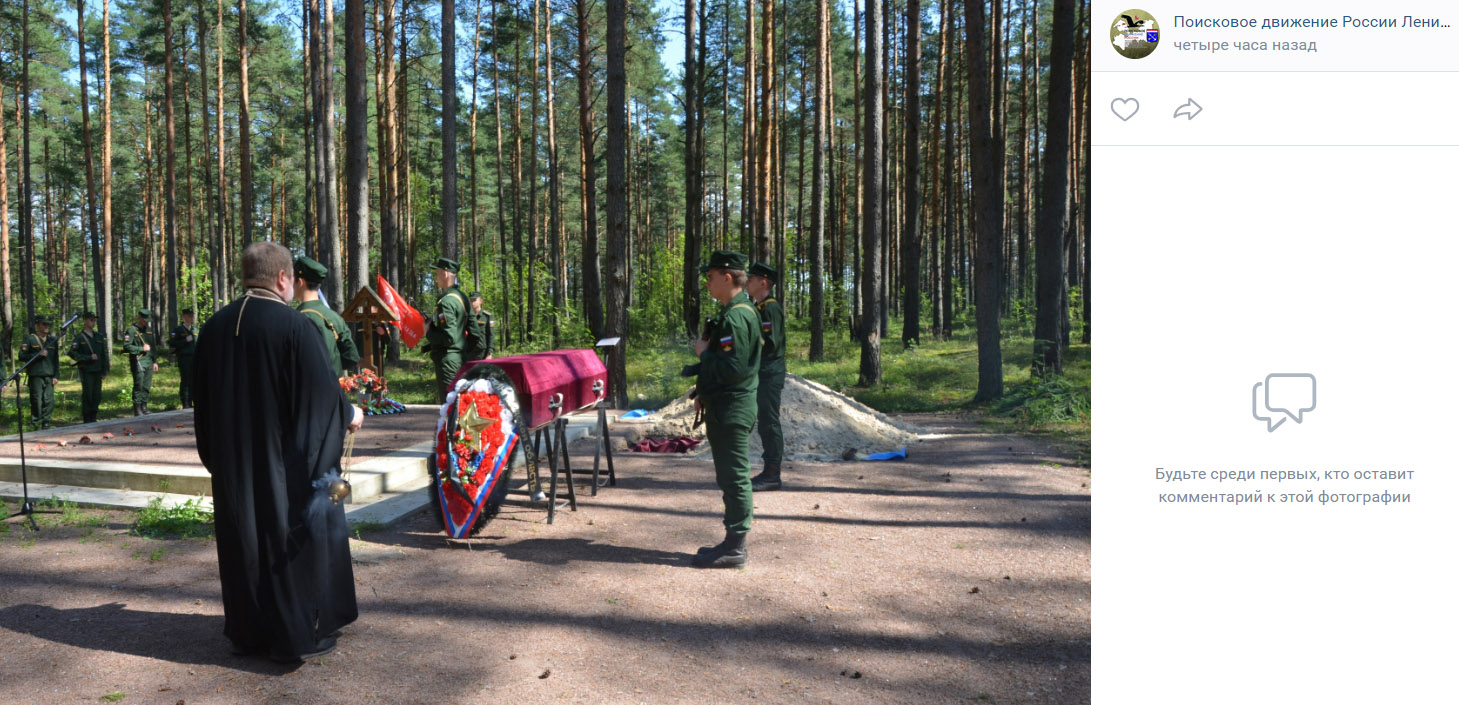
[(566, 550), (807, 486), (167, 636)]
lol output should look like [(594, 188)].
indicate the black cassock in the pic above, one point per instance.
[(271, 422)]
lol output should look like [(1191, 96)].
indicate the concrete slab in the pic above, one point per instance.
[(385, 489)]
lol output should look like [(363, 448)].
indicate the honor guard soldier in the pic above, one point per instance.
[(338, 337), (478, 331), (184, 341), (92, 360), (447, 334), (41, 375), (763, 278), (729, 373), (140, 342)]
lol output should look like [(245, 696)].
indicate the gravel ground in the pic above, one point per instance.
[(960, 575)]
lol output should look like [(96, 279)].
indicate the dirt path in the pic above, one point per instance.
[(958, 576)]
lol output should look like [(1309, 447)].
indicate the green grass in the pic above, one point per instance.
[(936, 376), (114, 696), (187, 520)]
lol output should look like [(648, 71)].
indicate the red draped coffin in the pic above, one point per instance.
[(550, 384)]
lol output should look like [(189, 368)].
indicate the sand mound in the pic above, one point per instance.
[(818, 423)]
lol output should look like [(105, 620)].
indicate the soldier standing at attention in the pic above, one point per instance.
[(447, 334), (41, 374), (338, 337), (729, 365), (184, 340), (772, 374), (140, 342), (89, 352), (478, 331)]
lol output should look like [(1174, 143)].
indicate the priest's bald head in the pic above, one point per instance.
[(269, 265)]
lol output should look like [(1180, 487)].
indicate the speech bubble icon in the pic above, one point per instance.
[(1291, 393), (1257, 408)]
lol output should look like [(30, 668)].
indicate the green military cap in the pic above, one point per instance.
[(309, 270), (724, 259), (42, 318), (447, 264), (89, 315), (187, 312), (475, 295), (765, 270), (145, 313)]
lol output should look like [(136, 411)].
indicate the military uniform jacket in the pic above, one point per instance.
[(43, 367), (339, 340), (448, 326), (772, 331), (478, 334), (729, 368), (183, 340), (133, 340), (83, 346)]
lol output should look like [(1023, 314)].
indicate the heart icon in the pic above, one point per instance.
[(1124, 108)]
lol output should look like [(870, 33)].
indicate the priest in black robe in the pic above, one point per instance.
[(271, 423)]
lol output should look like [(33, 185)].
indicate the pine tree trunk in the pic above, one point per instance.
[(987, 205), (450, 246), (7, 312), (554, 198), (90, 154), (27, 219), (357, 151), (818, 188), (1053, 216), (592, 280), (474, 222), (617, 285), (220, 267), (912, 190), (872, 204), (170, 176), (246, 212), (693, 189)]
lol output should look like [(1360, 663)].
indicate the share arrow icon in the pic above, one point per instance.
[(1190, 110)]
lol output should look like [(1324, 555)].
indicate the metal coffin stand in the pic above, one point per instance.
[(554, 434), (552, 387)]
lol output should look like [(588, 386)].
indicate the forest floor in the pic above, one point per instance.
[(960, 575)]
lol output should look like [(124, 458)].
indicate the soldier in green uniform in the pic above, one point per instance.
[(763, 278), (184, 340), (89, 352), (41, 375), (447, 335), (478, 330), (338, 337), (729, 365), (140, 342)]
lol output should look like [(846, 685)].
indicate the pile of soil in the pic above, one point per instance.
[(819, 424)]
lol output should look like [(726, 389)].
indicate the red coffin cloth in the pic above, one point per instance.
[(540, 377)]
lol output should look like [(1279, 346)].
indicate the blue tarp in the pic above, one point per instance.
[(889, 455), (636, 414)]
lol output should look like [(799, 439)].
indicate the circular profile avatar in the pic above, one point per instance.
[(1134, 34)]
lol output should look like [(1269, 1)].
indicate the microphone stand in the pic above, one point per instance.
[(27, 509)]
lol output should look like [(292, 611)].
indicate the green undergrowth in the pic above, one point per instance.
[(187, 520)]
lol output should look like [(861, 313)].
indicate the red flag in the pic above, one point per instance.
[(412, 326)]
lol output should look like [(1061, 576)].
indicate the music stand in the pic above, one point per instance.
[(27, 509)]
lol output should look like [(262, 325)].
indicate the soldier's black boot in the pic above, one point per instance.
[(732, 553), (136, 409), (145, 410), (768, 479)]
